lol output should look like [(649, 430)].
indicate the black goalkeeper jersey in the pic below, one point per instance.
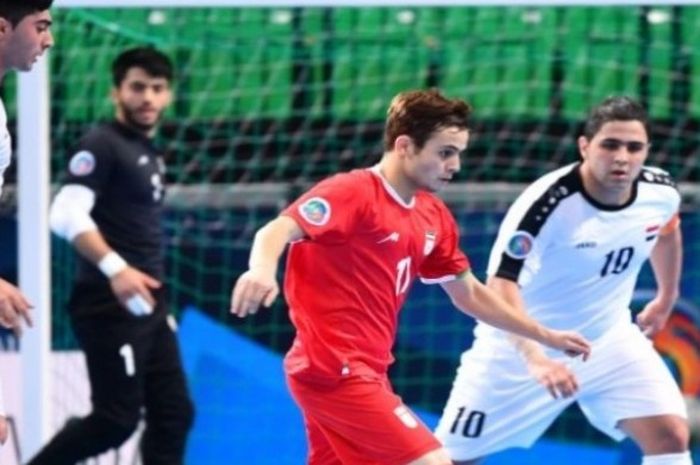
[(126, 171)]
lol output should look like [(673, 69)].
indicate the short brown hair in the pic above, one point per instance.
[(419, 113), (618, 108)]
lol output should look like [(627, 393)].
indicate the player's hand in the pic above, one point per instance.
[(559, 380), (14, 307), (133, 290), (569, 342), (653, 318), (255, 287)]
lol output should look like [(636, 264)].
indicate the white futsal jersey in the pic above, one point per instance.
[(5, 144), (5, 154), (576, 260)]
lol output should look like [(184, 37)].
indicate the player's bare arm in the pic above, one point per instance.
[(4, 430), (475, 299), (554, 375), (666, 259), (70, 218), (14, 307), (131, 286), (258, 286)]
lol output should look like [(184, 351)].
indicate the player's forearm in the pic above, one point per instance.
[(70, 218), (271, 240), (666, 260), (510, 292), (91, 245), (475, 299), (499, 313)]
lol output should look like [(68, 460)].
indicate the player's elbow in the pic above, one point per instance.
[(57, 219), (70, 211)]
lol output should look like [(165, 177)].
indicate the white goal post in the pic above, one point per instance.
[(34, 183)]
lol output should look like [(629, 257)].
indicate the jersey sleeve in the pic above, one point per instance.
[(671, 225), (331, 210), (445, 261), (668, 190), (90, 163), (673, 221), (521, 237)]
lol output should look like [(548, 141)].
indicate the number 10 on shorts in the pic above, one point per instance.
[(468, 424)]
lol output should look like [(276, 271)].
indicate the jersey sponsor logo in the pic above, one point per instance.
[(586, 245), (393, 237), (519, 245), (430, 237), (406, 416), (82, 163), (316, 211)]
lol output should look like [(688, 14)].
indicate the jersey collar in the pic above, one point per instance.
[(391, 191), (130, 132), (599, 205)]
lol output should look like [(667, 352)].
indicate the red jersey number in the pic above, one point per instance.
[(403, 275)]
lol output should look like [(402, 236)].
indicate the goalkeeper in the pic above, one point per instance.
[(109, 209)]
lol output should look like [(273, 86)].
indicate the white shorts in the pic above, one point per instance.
[(496, 404)]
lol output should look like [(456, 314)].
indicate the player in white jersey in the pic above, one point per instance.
[(568, 252), (24, 35)]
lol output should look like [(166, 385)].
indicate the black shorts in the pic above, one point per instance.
[(129, 358)]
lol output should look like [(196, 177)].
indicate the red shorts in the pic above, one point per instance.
[(360, 421)]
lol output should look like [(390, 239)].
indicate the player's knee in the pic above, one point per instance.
[(436, 457), (442, 460), (175, 421), (113, 433)]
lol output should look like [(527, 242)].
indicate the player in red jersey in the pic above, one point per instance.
[(358, 241)]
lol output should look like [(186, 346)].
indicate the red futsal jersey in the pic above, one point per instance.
[(347, 279)]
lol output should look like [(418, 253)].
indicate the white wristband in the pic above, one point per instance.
[(111, 264)]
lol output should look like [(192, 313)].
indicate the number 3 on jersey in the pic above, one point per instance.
[(403, 275)]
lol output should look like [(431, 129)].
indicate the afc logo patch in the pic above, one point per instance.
[(316, 211), (519, 245), (82, 163)]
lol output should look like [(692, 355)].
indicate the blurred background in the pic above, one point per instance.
[(270, 100)]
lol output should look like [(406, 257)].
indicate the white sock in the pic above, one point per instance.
[(682, 458)]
